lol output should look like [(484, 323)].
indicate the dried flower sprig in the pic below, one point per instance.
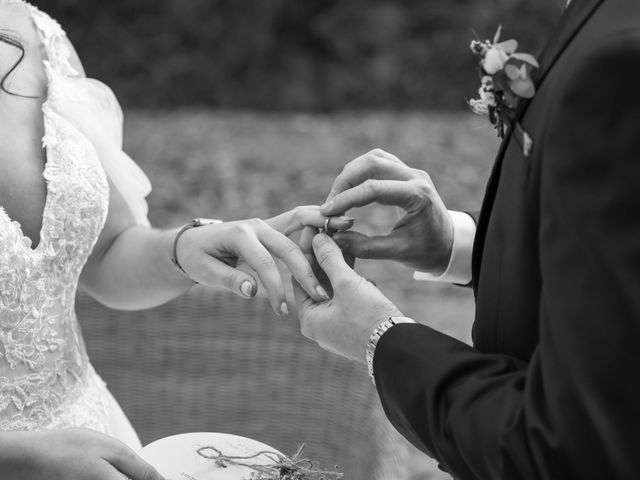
[(506, 80), (277, 467)]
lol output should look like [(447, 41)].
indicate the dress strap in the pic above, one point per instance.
[(53, 38)]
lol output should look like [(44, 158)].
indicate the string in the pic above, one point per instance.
[(278, 467)]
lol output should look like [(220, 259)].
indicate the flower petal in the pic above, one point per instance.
[(496, 38), (514, 71), (508, 46), (523, 87), (526, 58)]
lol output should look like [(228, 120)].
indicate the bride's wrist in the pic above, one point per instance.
[(167, 252), (176, 253)]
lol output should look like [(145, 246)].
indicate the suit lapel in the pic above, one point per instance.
[(568, 27)]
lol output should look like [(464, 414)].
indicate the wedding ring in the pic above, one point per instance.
[(328, 230)]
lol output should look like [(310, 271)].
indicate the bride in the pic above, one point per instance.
[(74, 214)]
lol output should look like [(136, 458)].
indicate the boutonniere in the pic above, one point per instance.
[(506, 80)]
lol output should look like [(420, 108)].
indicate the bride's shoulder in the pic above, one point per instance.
[(28, 29)]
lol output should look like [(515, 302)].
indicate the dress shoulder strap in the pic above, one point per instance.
[(53, 38)]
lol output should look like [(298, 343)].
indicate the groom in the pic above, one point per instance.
[(550, 388)]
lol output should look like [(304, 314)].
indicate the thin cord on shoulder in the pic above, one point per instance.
[(14, 42)]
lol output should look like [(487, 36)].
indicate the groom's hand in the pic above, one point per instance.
[(422, 239), (344, 324)]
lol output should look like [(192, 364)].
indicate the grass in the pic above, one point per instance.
[(239, 165), (236, 165)]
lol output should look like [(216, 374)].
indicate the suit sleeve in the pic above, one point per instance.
[(572, 411)]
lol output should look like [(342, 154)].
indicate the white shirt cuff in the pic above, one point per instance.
[(459, 268)]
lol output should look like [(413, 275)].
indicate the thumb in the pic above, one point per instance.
[(215, 273), (133, 466), (329, 257), (302, 299), (363, 246), (306, 239)]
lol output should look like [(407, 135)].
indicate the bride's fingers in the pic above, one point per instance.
[(130, 464), (260, 260), (376, 164), (294, 259), (313, 218), (362, 246), (282, 221), (216, 273), (307, 215)]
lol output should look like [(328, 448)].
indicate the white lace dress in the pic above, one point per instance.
[(46, 378)]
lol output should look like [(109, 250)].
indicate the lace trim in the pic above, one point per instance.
[(86, 405), (53, 37), (72, 158)]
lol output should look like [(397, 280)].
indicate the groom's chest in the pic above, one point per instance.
[(509, 280)]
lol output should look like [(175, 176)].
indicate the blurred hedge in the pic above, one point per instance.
[(293, 54)]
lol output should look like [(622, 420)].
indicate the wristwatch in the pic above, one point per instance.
[(380, 330)]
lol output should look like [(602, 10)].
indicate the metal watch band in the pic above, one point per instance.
[(173, 254), (380, 330)]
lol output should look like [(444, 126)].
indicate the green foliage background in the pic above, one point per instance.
[(314, 55)]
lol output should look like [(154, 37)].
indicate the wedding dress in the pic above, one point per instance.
[(46, 378)]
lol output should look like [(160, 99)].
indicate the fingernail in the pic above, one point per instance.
[(246, 288), (346, 218), (322, 292), (284, 309)]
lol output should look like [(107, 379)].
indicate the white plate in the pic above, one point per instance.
[(177, 458)]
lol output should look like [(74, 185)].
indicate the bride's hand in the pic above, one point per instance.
[(294, 220), (70, 454), (211, 254)]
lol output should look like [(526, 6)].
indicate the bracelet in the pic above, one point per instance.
[(173, 253), (380, 330)]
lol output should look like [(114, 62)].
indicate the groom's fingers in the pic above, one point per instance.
[(376, 164), (330, 259), (294, 259), (362, 246), (305, 243), (387, 192), (302, 299)]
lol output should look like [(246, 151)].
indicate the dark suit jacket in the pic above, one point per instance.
[(551, 388)]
